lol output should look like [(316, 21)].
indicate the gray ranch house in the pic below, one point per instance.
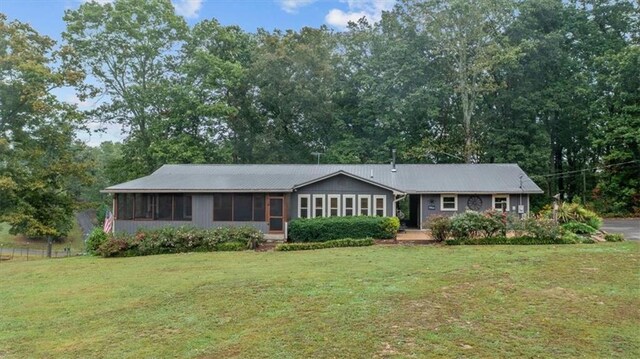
[(269, 196)]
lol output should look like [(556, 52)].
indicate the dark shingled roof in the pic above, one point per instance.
[(409, 178)]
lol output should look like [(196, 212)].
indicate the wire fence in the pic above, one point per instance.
[(30, 253)]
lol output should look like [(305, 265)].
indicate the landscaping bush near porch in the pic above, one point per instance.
[(328, 228), (179, 240)]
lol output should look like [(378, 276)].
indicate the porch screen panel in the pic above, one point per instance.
[(124, 202), (143, 206), (222, 207), (182, 210), (164, 207), (242, 207), (258, 208)]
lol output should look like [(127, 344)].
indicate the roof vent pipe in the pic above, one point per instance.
[(371, 173), (393, 160)]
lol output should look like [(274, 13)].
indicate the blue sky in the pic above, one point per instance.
[(46, 17)]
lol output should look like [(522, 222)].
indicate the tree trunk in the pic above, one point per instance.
[(49, 246)]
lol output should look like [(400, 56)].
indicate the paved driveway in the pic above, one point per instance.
[(629, 227)]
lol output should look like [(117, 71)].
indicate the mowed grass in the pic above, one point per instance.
[(380, 301)]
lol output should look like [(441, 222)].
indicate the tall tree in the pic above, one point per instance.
[(468, 43), (129, 48), (38, 161)]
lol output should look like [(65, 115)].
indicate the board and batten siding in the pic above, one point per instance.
[(202, 217), (341, 185), (433, 200)]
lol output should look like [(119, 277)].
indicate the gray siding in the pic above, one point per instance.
[(202, 213), (487, 203), (341, 185)]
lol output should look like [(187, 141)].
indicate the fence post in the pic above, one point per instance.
[(27, 254), (13, 252)]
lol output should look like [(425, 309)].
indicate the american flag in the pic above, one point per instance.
[(108, 222)]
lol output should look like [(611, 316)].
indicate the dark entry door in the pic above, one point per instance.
[(276, 214)]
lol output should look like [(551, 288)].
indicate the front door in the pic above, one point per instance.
[(276, 214)]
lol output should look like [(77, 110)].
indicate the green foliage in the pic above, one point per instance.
[(578, 228), (523, 240), (614, 237), (574, 212), (471, 224), (328, 228), (39, 160), (346, 242), (95, 239), (179, 240), (440, 227), (542, 228)]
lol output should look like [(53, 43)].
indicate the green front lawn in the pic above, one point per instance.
[(380, 301)]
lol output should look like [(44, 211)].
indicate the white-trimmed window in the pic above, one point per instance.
[(318, 205), (349, 205), (380, 206), (304, 206), (500, 202), (333, 205), (448, 202), (364, 205)]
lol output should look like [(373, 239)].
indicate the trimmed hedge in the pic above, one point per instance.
[(329, 228), (347, 242), (180, 239), (500, 240)]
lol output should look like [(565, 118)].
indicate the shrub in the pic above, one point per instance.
[(329, 228), (346, 242), (116, 245), (574, 212), (613, 237), (474, 224), (542, 228), (578, 228), (440, 227), (181, 239), (95, 240), (502, 240)]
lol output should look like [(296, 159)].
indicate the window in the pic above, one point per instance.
[(146, 206), (258, 208), (334, 205), (303, 206), (239, 207), (380, 206), (364, 205), (143, 206), (448, 202), (222, 207), (318, 205), (501, 202), (164, 208), (124, 205), (349, 205), (243, 207), (181, 207)]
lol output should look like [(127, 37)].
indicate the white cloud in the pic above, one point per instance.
[(188, 8), (291, 6), (357, 9)]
